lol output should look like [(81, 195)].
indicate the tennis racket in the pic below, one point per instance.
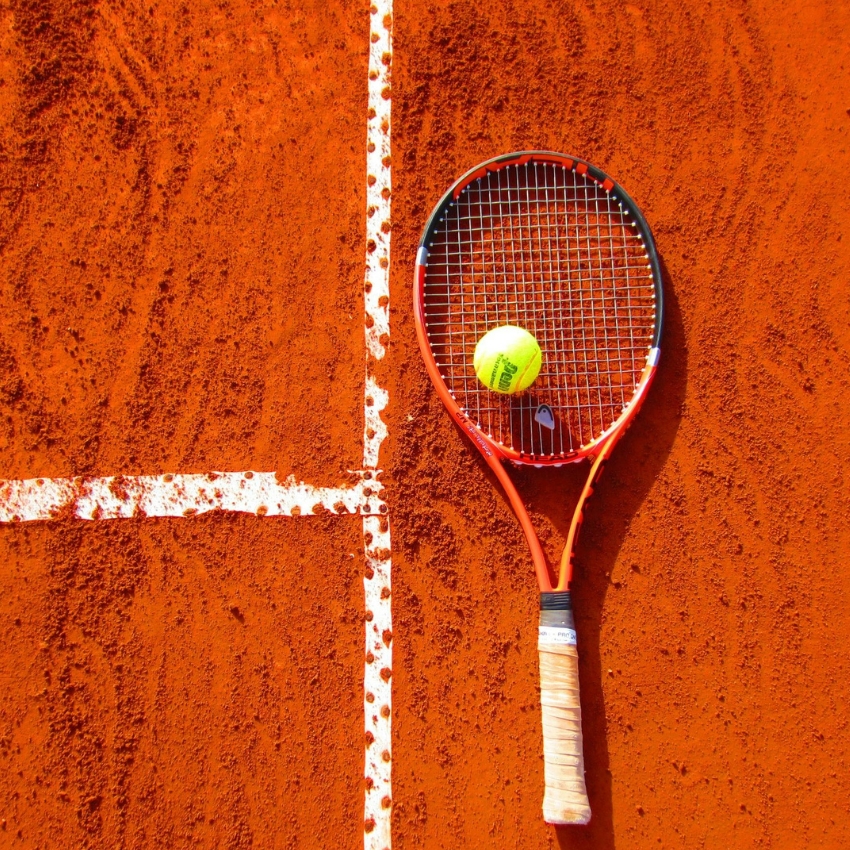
[(551, 244)]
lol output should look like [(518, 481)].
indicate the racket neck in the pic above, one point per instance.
[(541, 565), (565, 571)]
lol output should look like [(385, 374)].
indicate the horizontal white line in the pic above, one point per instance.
[(122, 496)]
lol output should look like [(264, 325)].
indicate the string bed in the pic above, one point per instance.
[(551, 250)]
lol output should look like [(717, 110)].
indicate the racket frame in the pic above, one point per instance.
[(597, 450)]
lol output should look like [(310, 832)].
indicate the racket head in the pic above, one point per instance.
[(552, 244)]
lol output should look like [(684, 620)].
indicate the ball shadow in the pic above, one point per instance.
[(551, 494)]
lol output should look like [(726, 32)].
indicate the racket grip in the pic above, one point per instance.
[(565, 800)]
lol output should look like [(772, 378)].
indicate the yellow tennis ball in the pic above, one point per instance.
[(507, 359)]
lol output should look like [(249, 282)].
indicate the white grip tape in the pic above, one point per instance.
[(565, 800)]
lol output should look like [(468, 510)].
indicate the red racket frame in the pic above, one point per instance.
[(598, 450)]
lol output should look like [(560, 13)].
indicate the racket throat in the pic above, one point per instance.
[(565, 571)]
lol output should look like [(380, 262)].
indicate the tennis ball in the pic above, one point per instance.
[(507, 359)]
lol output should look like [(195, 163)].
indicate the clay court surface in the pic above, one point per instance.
[(182, 244)]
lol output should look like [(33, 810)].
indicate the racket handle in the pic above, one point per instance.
[(565, 800)]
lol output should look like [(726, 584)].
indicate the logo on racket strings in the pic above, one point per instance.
[(545, 417)]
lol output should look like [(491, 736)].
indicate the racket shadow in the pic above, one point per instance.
[(552, 493)]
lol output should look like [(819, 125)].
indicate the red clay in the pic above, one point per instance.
[(181, 257)]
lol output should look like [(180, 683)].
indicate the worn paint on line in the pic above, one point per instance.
[(122, 496), (376, 531)]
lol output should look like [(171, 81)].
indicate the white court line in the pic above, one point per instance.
[(123, 497), (377, 695), (260, 493)]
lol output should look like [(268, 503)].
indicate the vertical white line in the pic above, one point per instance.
[(377, 677), (377, 689), (378, 182)]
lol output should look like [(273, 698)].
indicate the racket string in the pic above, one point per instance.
[(545, 248)]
